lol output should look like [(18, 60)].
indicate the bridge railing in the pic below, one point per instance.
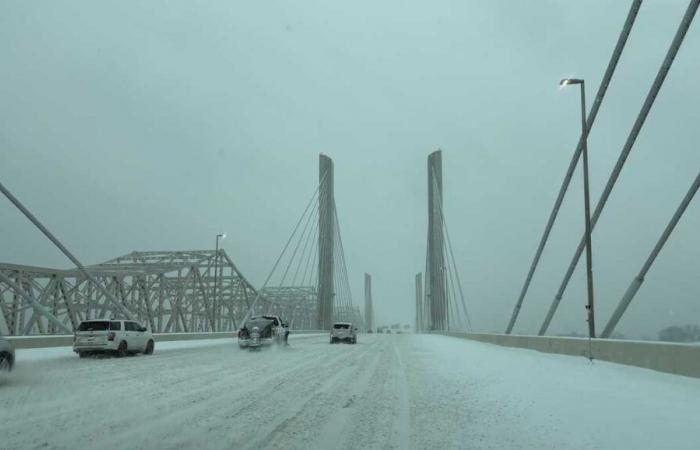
[(680, 359)]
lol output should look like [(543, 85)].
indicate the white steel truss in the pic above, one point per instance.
[(170, 291)]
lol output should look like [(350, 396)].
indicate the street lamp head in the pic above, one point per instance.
[(568, 81), (222, 235)]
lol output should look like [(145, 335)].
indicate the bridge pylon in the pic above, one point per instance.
[(420, 314), (435, 271), (369, 310), (326, 243)]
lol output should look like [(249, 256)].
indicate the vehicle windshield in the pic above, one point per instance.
[(340, 326), (96, 325), (273, 319), (260, 322)]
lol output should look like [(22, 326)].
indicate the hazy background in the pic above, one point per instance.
[(155, 125)]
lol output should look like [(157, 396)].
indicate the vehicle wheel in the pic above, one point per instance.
[(6, 361), (149, 348), (121, 350), (83, 354)]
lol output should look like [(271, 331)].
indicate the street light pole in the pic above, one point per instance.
[(215, 302), (587, 204)]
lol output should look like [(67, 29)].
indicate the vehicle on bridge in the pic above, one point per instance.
[(7, 354), (263, 331), (120, 337), (343, 332)]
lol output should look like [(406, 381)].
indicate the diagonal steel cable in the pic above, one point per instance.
[(602, 89), (626, 149)]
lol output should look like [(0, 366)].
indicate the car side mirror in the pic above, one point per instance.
[(143, 329)]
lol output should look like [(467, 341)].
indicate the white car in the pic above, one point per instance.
[(343, 332), (7, 354), (112, 336)]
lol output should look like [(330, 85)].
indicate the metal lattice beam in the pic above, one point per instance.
[(170, 291)]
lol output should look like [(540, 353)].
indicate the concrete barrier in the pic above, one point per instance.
[(679, 359), (66, 340)]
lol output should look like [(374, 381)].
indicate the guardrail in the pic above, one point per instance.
[(679, 359), (66, 340)]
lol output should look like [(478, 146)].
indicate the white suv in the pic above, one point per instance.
[(112, 336), (343, 331)]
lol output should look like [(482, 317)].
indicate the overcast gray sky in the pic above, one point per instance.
[(154, 125)]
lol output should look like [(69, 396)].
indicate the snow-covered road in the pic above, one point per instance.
[(388, 391)]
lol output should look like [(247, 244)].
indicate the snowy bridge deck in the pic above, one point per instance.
[(388, 391)]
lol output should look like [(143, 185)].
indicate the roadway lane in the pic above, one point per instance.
[(397, 391)]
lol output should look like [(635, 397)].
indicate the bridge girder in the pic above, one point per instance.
[(171, 291)]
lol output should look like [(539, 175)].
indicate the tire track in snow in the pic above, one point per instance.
[(404, 408), (328, 382)]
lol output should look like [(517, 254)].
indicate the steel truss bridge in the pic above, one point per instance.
[(171, 291)]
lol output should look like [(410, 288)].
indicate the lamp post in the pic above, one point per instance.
[(216, 271), (587, 205)]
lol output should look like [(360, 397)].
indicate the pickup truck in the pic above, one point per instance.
[(263, 331)]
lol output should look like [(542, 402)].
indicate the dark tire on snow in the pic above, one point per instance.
[(82, 354), (121, 350), (6, 362), (149, 348)]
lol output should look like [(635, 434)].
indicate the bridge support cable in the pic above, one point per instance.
[(453, 266), (302, 238), (309, 243), (639, 279), (466, 319), (311, 298), (626, 149), (442, 308), (452, 272), (294, 300), (602, 89), (344, 301), (112, 299), (311, 262), (260, 293)]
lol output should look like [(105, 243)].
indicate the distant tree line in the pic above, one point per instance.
[(677, 333)]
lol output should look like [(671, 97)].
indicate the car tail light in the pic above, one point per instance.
[(111, 335)]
